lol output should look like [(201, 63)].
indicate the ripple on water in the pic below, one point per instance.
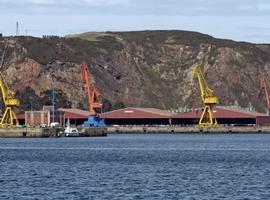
[(136, 167)]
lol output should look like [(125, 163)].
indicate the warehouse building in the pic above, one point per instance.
[(224, 115), (149, 116), (75, 116), (137, 116), (44, 117)]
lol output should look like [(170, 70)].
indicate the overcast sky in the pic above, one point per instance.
[(245, 20)]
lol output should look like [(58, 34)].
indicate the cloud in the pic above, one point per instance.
[(137, 7), (66, 3), (64, 6), (216, 17), (264, 6)]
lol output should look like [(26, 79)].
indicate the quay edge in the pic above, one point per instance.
[(29, 132), (183, 130), (26, 132), (94, 132)]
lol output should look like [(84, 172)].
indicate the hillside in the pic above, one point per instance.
[(146, 69)]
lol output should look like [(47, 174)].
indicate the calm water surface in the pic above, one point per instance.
[(136, 167)]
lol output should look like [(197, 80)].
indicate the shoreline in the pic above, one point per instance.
[(101, 132), (27, 132), (187, 130)]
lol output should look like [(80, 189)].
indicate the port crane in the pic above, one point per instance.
[(94, 98), (9, 118), (264, 88), (208, 98)]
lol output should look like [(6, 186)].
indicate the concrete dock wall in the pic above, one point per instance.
[(94, 132), (172, 129), (48, 132), (29, 132)]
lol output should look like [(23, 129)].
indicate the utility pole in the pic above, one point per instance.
[(31, 105), (53, 101)]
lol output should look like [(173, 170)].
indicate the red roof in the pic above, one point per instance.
[(221, 113), (72, 113), (136, 113), (152, 113)]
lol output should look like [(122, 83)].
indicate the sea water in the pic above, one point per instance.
[(137, 166)]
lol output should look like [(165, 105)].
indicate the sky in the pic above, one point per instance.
[(240, 20)]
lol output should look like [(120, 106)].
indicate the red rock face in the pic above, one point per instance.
[(142, 69)]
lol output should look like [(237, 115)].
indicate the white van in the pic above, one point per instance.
[(55, 124)]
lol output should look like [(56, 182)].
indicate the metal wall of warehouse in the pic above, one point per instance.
[(146, 116), (263, 121)]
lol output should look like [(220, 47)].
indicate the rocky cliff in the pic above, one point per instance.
[(146, 69)]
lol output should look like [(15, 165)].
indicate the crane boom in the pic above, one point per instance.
[(92, 93), (208, 98), (264, 87)]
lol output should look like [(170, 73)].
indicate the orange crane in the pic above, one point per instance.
[(92, 93), (264, 87), (94, 99)]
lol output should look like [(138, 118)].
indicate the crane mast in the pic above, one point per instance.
[(92, 93), (9, 118), (208, 98), (264, 87)]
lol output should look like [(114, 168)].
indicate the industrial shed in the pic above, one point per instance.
[(75, 116), (155, 117), (224, 116), (137, 116), (37, 118), (151, 116)]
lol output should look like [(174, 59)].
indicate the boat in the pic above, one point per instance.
[(71, 131)]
